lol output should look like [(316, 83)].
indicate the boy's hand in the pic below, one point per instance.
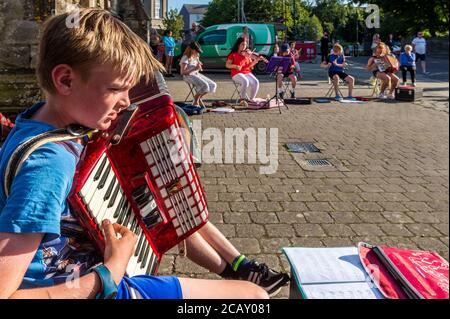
[(118, 250)]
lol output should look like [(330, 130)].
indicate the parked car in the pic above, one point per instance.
[(217, 40)]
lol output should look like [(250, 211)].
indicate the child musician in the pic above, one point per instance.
[(241, 64), (335, 63), (386, 74), (86, 73)]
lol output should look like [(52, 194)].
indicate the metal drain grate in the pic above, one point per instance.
[(302, 148), (318, 162)]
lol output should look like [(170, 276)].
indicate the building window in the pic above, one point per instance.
[(158, 9)]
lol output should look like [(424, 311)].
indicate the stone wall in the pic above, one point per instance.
[(20, 21), (19, 29)]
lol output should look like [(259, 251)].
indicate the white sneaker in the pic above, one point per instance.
[(382, 96), (391, 96), (404, 84), (414, 84)]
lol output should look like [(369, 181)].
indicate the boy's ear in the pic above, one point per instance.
[(62, 76)]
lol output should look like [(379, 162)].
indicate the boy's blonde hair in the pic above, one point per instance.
[(338, 48), (97, 38), (408, 47)]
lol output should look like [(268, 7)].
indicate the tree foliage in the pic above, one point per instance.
[(173, 21), (408, 17)]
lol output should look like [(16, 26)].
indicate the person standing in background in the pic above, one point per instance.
[(324, 43), (420, 49), (390, 41), (169, 51)]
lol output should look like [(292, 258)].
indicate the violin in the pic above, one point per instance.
[(255, 55)]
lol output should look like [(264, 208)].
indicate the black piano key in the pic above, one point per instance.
[(145, 258), (151, 265), (139, 244), (120, 207), (127, 219), (102, 182), (112, 200), (142, 250), (123, 214), (110, 189), (100, 169), (133, 226)]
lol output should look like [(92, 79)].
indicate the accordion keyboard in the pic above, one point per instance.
[(105, 199)]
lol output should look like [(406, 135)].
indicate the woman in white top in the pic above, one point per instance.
[(190, 67)]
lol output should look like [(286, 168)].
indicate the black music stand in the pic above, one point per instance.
[(275, 64)]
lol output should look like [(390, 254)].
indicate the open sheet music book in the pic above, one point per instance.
[(330, 273)]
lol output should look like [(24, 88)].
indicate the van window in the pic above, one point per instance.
[(214, 37)]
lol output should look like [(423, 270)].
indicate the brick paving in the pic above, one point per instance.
[(390, 187)]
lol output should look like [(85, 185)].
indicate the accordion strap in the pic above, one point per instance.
[(24, 150)]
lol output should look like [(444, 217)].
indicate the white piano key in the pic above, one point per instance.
[(88, 188), (159, 183), (204, 215), (109, 213), (97, 200), (104, 205)]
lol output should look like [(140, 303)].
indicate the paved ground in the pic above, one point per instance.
[(389, 185)]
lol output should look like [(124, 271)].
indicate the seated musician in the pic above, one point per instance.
[(335, 62), (285, 52), (86, 73), (241, 64), (190, 67), (382, 69)]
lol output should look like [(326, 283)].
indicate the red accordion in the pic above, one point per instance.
[(146, 181)]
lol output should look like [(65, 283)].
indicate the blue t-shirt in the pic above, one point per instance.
[(408, 59), (37, 204), (339, 60), (169, 45)]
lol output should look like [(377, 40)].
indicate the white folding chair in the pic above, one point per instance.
[(331, 89), (237, 87), (192, 92)]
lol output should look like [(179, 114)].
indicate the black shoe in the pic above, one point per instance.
[(281, 95), (268, 279), (292, 95)]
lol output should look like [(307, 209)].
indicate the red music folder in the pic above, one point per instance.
[(367, 272)]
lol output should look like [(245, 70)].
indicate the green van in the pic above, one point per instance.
[(217, 40)]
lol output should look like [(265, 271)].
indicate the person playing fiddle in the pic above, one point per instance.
[(241, 62), (285, 52)]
